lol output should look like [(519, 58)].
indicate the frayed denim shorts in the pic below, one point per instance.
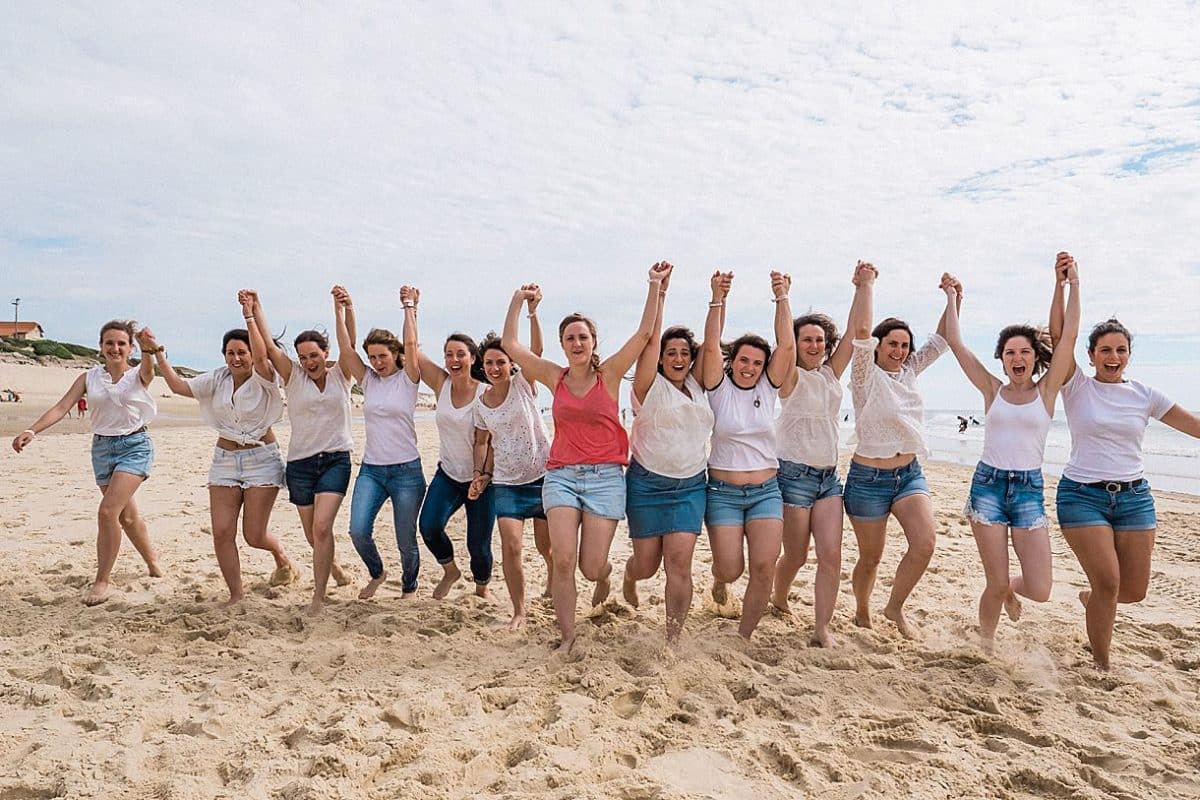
[(734, 504), (132, 453), (803, 485), (1010, 497), (597, 489), (248, 468), (871, 492), (1081, 506)]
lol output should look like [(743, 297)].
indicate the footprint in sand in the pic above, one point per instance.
[(629, 703)]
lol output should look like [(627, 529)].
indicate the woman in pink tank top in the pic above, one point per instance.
[(584, 489)]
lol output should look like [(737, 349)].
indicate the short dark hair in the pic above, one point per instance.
[(1039, 339), (314, 336), (386, 338), (822, 321), (235, 334), (731, 349), (677, 332), (1110, 325)]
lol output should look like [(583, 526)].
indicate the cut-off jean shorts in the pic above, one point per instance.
[(323, 473), (731, 504), (656, 505), (803, 486), (132, 453), (247, 469), (1080, 506), (871, 492), (597, 489), (1010, 497), (519, 500)]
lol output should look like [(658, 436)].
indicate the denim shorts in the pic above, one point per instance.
[(656, 505), (1083, 506), (324, 472), (803, 485), (246, 469), (132, 453), (871, 492), (521, 501), (1009, 497), (597, 489), (730, 504)]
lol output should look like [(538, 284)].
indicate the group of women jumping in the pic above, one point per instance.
[(738, 437)]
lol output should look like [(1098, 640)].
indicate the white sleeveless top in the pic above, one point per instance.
[(456, 434), (889, 416), (320, 420), (388, 405), (670, 429), (807, 428), (120, 408), (743, 437), (520, 443), (1014, 436), (243, 416)]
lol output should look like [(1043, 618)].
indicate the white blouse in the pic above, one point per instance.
[(520, 443), (671, 430), (320, 419), (243, 416), (807, 428), (456, 434), (388, 405), (120, 408), (889, 415)]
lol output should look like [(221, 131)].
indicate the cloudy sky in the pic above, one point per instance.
[(155, 158)]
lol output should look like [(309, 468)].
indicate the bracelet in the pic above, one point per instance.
[(32, 433), (531, 315), (153, 351), (716, 305), (409, 304), (249, 318), (783, 299)]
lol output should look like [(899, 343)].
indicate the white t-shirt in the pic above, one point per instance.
[(388, 405), (120, 408), (889, 416), (243, 416), (520, 443), (320, 419), (807, 428), (456, 434), (671, 430), (1107, 423), (743, 437)]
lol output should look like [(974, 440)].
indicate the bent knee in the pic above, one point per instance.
[(1131, 594), (727, 574)]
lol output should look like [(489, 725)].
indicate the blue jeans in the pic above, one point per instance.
[(404, 484), (445, 496), (1013, 498)]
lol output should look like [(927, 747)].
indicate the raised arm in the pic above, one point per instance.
[(783, 361), (615, 366), (433, 375), (279, 359), (840, 358), (343, 316), (146, 364), (976, 372), (55, 413), (647, 363), (258, 348), (1063, 262), (535, 327), (1062, 363), (862, 361), (535, 367), (958, 296), (712, 364), (151, 347)]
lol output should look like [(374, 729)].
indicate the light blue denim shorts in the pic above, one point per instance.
[(132, 453), (803, 485), (247, 469), (1009, 497), (597, 489), (731, 504), (871, 492), (1130, 508)]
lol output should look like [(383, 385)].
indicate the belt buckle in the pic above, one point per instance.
[(1113, 486)]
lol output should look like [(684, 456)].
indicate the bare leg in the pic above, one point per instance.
[(763, 539), (117, 495), (138, 534), (647, 555), (511, 533), (541, 540), (678, 549), (1095, 547), (727, 543), (1037, 565), (796, 535), (258, 501), (827, 535), (595, 542), (564, 543), (992, 541), (915, 514), (323, 514), (871, 536), (224, 508)]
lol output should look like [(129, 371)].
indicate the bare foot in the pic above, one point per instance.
[(99, 592), (408, 595), (720, 593), (314, 608), (725, 605), (449, 577), (783, 610), (823, 638), (564, 648), (1012, 606), (603, 587), (369, 590), (338, 574), (284, 575), (233, 600), (155, 570), (897, 616), (629, 590), (1084, 596), (517, 622), (481, 590), (863, 619), (546, 595), (988, 645)]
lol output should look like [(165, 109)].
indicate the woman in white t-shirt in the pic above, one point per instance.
[(743, 505), (457, 385), (122, 452), (885, 476), (391, 464), (807, 435), (318, 458), (1105, 507), (241, 401), (511, 448), (666, 483), (1007, 488)]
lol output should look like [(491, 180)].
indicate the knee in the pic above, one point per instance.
[(678, 568), (996, 590), (727, 573), (1131, 594), (225, 533), (1106, 586), (868, 562), (110, 513), (564, 563), (1038, 593), (593, 572), (127, 518), (256, 538), (322, 533), (922, 546), (511, 550)]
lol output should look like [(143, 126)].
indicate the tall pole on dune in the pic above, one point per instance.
[(16, 304)]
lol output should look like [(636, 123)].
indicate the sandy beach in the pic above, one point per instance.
[(161, 693)]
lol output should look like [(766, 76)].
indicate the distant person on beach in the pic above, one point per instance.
[(457, 385), (1105, 506), (807, 435), (122, 452), (885, 476), (391, 463), (1007, 488), (665, 485), (584, 489), (962, 424), (318, 458), (81, 407), (241, 401), (744, 506), (511, 448)]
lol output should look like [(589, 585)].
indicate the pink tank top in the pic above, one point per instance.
[(587, 430)]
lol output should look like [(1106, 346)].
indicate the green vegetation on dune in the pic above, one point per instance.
[(48, 351)]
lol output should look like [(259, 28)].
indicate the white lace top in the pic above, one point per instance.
[(889, 416), (807, 428), (520, 443)]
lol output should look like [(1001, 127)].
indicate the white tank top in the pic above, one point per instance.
[(743, 438), (671, 429), (1014, 436), (118, 408), (807, 428), (388, 405), (456, 434)]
